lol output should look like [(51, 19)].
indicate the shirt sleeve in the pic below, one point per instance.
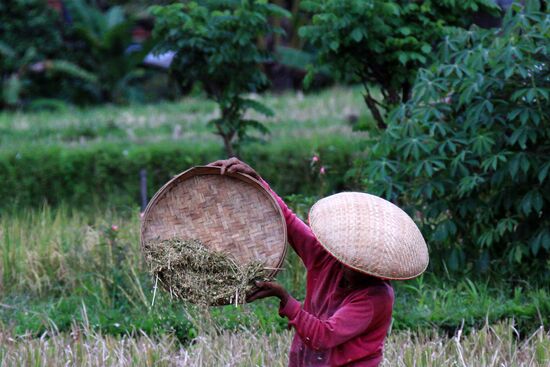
[(349, 321), (300, 236)]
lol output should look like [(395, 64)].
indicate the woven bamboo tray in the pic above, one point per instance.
[(232, 213)]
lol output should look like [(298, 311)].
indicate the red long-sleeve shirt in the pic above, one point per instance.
[(335, 326)]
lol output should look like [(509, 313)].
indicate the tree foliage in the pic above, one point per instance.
[(470, 153), (79, 56), (217, 43), (29, 24), (31, 47), (382, 43), (102, 49)]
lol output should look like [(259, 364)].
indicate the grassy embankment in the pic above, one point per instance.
[(94, 157), (307, 117)]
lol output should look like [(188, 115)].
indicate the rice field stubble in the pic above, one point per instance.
[(495, 346)]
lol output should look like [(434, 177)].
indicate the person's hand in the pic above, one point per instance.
[(233, 165), (269, 289)]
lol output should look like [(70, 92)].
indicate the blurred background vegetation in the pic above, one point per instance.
[(441, 107)]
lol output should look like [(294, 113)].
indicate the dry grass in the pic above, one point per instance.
[(40, 249), (189, 271), (492, 346), (489, 347)]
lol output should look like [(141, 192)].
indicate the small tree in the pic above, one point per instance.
[(471, 151), (383, 43), (217, 43)]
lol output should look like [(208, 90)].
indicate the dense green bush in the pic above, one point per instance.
[(80, 56), (108, 174), (103, 41), (470, 153), (383, 43), (32, 52), (217, 43), (29, 23)]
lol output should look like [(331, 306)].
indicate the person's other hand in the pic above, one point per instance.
[(233, 165), (269, 289)]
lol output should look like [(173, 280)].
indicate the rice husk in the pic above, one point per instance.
[(189, 271)]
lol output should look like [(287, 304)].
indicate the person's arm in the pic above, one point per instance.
[(349, 321), (353, 318), (300, 236)]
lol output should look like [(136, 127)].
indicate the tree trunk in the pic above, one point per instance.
[(227, 136), (228, 146), (375, 111), (407, 92)]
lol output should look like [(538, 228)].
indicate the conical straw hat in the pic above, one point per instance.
[(369, 234)]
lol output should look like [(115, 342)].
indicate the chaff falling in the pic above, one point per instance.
[(189, 271)]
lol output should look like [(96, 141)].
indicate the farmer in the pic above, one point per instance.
[(355, 244)]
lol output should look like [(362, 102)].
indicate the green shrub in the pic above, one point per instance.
[(218, 45), (102, 49), (470, 153), (28, 24), (383, 43), (32, 53), (108, 173)]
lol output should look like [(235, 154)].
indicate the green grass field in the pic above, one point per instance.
[(74, 289), (318, 114)]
